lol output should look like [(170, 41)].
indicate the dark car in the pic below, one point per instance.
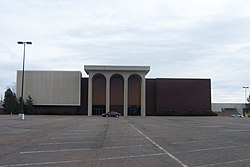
[(111, 114)]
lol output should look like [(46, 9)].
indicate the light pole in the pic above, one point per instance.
[(22, 101), (245, 87)]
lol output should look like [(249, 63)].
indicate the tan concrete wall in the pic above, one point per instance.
[(51, 87)]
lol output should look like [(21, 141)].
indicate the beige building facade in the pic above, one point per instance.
[(61, 88)]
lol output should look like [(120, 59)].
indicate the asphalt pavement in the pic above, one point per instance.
[(124, 141)]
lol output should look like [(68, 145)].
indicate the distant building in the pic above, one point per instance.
[(227, 109), (124, 89)]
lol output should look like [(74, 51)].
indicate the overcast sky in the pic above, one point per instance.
[(176, 38)]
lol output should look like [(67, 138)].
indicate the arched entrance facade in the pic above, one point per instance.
[(134, 95), (116, 93), (99, 94), (124, 89)]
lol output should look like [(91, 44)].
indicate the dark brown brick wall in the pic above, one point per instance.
[(150, 96), (84, 96), (178, 95)]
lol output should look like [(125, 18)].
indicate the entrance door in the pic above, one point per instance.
[(116, 93), (134, 95), (99, 95)]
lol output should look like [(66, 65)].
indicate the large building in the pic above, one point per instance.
[(124, 89)]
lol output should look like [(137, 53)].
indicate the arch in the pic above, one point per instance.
[(135, 76), (117, 93), (134, 94), (98, 94)]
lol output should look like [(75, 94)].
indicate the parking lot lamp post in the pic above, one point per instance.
[(245, 87), (22, 100)]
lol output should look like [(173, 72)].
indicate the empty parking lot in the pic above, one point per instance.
[(125, 141)]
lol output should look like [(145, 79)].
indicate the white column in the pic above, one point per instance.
[(143, 96), (107, 93), (90, 95), (125, 96)]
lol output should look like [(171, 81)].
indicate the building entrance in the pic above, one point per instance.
[(118, 88), (99, 95), (116, 93), (134, 95), (99, 109)]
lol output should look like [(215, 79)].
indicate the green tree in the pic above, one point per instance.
[(29, 108), (10, 103)]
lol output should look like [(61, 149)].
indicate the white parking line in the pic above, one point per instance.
[(116, 147), (185, 142), (68, 137), (59, 143), (204, 141), (223, 163), (84, 149), (131, 156), (210, 126), (236, 130), (85, 131), (157, 145), (71, 137), (55, 151), (42, 163), (209, 149), (128, 139)]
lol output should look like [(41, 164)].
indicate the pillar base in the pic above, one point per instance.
[(21, 116)]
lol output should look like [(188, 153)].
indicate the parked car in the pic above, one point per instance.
[(237, 115), (111, 114)]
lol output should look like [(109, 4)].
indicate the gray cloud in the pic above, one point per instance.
[(204, 39)]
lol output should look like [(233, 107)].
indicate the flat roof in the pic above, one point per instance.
[(88, 68)]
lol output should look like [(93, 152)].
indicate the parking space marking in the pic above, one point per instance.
[(15, 131), (55, 151), (116, 147), (79, 133), (227, 123), (131, 156), (236, 130), (204, 141), (128, 139), (61, 143), (68, 137), (83, 137), (82, 130), (157, 145), (209, 149), (118, 136), (83, 149), (224, 163), (42, 163), (211, 126)]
